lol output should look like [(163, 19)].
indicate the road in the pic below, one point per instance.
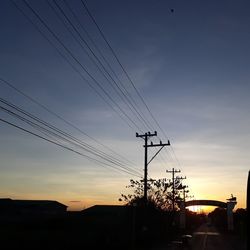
[(208, 238)]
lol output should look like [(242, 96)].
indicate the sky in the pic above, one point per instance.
[(187, 60)]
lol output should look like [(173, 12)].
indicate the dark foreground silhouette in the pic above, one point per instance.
[(109, 227)]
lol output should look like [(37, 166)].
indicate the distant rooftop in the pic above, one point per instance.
[(30, 202), (31, 207), (105, 210)]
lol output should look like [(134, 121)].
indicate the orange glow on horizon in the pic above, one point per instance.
[(201, 209)]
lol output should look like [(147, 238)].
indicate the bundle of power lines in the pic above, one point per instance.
[(131, 112)]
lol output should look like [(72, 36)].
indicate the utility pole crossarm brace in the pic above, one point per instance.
[(157, 145)]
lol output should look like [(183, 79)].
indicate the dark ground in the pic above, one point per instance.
[(127, 231)]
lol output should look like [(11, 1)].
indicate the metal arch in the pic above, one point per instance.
[(206, 203)]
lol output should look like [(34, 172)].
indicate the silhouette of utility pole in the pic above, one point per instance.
[(185, 192), (146, 146), (248, 209), (174, 171)]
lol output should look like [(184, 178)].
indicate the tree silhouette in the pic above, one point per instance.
[(160, 193)]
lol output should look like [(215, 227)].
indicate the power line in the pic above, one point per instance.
[(126, 73), (78, 71), (61, 135), (70, 53), (60, 42), (58, 116), (77, 61), (67, 60), (66, 147), (103, 69), (129, 96), (99, 51), (146, 123), (116, 57)]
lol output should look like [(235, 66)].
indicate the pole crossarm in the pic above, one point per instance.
[(180, 177), (148, 134), (173, 171), (158, 145)]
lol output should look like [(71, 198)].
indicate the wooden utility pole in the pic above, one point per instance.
[(174, 171), (146, 162), (248, 210), (185, 192)]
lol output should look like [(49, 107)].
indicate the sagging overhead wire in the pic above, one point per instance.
[(81, 65), (94, 80), (62, 136), (62, 119), (101, 92), (65, 147), (128, 98), (60, 42), (126, 94), (97, 62), (126, 74)]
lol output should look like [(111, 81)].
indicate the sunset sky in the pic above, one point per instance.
[(188, 60)]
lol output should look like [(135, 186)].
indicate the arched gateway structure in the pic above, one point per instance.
[(228, 205), (206, 203)]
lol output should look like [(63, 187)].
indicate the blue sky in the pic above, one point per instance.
[(191, 66)]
